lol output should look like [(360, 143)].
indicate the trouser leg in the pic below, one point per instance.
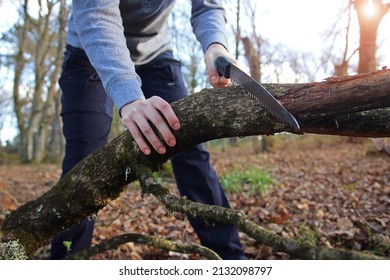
[(197, 180), (84, 133), (195, 176), (86, 117)]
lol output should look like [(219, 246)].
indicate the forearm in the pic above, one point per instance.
[(99, 27), (208, 21)]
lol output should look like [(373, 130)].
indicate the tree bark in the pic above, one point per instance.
[(351, 106)]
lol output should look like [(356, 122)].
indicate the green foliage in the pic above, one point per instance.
[(67, 245), (165, 172), (251, 180)]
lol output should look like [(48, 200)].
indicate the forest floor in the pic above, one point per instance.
[(328, 191)]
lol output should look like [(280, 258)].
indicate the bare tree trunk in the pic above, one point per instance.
[(233, 141), (19, 68), (236, 8), (48, 107), (41, 112), (369, 24), (34, 107), (42, 48), (341, 69), (186, 43), (253, 55), (338, 106), (193, 67)]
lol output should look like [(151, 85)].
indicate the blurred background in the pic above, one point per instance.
[(276, 41)]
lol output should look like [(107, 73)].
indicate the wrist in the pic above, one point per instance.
[(217, 45), (125, 106)]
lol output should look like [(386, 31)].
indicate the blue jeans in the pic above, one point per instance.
[(87, 114)]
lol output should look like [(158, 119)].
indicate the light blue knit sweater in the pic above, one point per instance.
[(119, 34)]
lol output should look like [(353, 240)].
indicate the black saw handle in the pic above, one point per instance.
[(223, 66)]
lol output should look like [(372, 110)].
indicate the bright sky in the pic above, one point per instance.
[(297, 23), (294, 23)]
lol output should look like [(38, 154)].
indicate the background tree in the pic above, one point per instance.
[(186, 48), (20, 62), (370, 13), (5, 102), (252, 44), (47, 121), (38, 39)]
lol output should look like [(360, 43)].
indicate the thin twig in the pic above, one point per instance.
[(147, 240), (13, 198)]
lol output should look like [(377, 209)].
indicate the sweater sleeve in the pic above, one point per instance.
[(208, 20), (99, 27)]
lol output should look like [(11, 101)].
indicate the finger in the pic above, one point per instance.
[(214, 76), (167, 111), (149, 134), (138, 138), (215, 79), (222, 82), (218, 81), (163, 128)]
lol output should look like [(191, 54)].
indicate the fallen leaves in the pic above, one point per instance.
[(332, 192), (326, 191)]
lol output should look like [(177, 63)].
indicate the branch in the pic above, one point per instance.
[(148, 240), (351, 106), (381, 146), (211, 214)]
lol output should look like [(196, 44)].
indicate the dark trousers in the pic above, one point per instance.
[(87, 114)]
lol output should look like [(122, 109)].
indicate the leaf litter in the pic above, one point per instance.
[(327, 191)]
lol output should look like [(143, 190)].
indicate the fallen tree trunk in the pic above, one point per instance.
[(351, 106)]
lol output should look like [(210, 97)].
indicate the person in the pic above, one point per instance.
[(119, 53)]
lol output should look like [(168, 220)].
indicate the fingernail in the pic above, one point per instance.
[(147, 151), (161, 150), (176, 126), (214, 79), (172, 142)]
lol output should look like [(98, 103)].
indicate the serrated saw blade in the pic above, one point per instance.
[(257, 91)]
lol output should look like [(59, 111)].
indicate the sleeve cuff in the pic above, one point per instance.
[(217, 38), (125, 92)]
